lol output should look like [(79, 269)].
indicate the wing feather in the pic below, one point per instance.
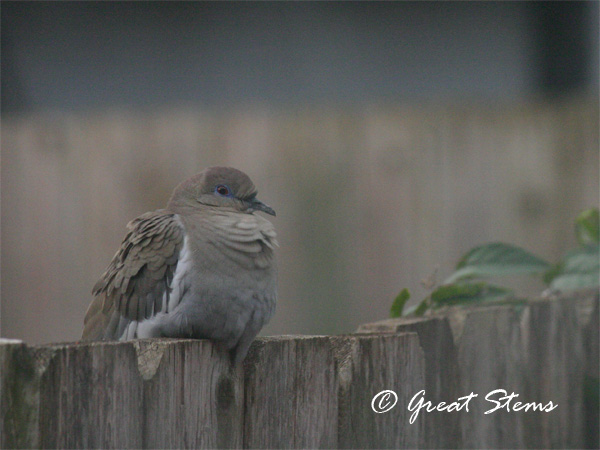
[(139, 275)]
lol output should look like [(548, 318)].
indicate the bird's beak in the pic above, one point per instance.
[(257, 205)]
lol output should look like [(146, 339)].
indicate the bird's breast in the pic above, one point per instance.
[(230, 240)]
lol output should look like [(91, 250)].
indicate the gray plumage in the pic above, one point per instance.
[(201, 268)]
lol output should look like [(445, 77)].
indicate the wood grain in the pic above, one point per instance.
[(90, 396), (291, 393), (194, 399), (368, 365), (19, 396), (441, 430)]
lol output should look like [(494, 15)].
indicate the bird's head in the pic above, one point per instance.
[(221, 187)]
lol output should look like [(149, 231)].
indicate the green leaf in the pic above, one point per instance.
[(454, 294), (579, 269), (497, 259), (423, 306), (399, 302), (552, 273), (587, 227), (419, 309)]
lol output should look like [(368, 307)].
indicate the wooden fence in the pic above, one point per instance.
[(317, 391)]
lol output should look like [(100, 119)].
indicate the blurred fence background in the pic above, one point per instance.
[(369, 200), (390, 138)]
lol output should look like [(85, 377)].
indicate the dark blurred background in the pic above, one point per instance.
[(86, 55), (391, 137)]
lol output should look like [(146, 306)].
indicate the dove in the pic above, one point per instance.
[(202, 268)]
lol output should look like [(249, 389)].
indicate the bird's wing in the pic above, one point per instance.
[(137, 282)]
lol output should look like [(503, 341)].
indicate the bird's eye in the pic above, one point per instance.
[(223, 190)]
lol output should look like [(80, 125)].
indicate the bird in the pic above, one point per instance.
[(202, 268)]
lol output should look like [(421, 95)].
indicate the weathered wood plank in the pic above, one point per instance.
[(193, 397), (90, 396), (555, 370), (591, 398), (291, 393), (534, 350), (441, 430), (368, 365), (490, 356), (19, 396)]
